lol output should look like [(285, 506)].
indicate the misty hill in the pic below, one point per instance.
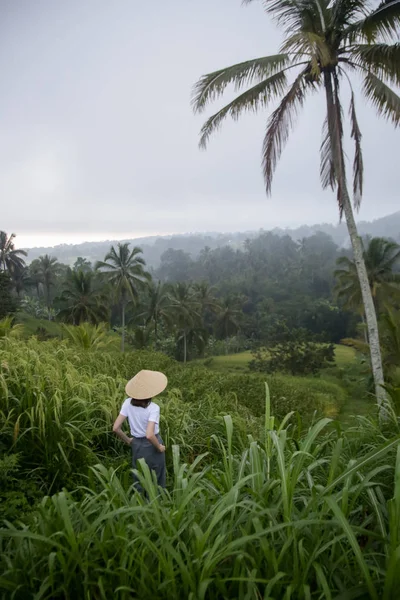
[(193, 243)]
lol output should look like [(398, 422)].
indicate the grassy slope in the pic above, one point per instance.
[(356, 403), (31, 325), (234, 362)]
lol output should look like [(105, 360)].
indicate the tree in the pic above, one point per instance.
[(185, 310), (227, 319), (81, 300), (35, 274), (158, 307), (124, 270), (8, 303), (10, 259), (380, 257), (325, 41), (48, 269), (82, 264), (205, 294), (21, 280)]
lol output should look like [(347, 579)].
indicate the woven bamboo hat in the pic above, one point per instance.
[(146, 385)]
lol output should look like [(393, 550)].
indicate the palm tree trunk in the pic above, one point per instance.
[(364, 328), (123, 327), (156, 333), (335, 130), (184, 347)]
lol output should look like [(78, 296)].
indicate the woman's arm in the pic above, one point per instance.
[(118, 431), (151, 436)]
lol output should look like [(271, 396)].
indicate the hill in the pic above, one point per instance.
[(193, 243)]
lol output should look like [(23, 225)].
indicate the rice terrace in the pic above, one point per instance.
[(200, 416)]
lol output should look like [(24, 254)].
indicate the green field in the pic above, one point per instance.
[(344, 355)]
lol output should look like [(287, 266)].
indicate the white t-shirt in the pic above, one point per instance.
[(138, 417)]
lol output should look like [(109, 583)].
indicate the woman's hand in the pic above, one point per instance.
[(161, 448)]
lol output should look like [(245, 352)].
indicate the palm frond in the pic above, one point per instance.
[(382, 22), (358, 165), (212, 86), (381, 59), (327, 168), (345, 11), (294, 14), (309, 44), (385, 100), (251, 100), (279, 126)]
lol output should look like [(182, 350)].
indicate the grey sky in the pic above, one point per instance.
[(98, 140)]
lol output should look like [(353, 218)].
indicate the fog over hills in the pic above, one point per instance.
[(193, 243)]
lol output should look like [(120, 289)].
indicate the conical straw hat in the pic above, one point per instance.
[(146, 385)]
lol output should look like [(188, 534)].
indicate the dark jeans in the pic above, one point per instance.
[(143, 448)]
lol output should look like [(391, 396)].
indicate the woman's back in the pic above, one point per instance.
[(139, 417)]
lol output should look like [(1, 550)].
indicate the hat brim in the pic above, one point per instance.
[(146, 385)]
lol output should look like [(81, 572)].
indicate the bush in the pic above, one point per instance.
[(296, 357)]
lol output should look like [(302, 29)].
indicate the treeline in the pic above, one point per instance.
[(272, 291)]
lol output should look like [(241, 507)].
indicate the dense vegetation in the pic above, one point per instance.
[(297, 505)]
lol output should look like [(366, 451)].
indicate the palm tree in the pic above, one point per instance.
[(206, 298), (158, 308), (227, 319), (124, 270), (10, 259), (48, 269), (326, 42), (82, 300), (87, 336), (35, 274), (185, 308), (21, 279), (380, 256)]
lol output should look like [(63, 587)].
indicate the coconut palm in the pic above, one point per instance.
[(21, 280), (124, 270), (82, 300), (10, 259), (36, 276), (205, 294), (185, 309), (326, 43), (48, 269), (227, 323), (380, 257), (158, 307)]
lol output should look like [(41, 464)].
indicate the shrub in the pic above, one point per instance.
[(296, 357)]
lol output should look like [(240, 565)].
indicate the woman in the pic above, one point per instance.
[(144, 417)]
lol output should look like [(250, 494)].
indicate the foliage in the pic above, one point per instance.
[(124, 270), (295, 357), (291, 509), (8, 328), (82, 300), (381, 257), (10, 258), (46, 271), (87, 336), (8, 304)]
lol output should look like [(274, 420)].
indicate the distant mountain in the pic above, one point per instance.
[(193, 243)]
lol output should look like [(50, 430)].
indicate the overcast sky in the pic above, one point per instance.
[(98, 140)]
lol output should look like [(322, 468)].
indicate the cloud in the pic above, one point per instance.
[(97, 135)]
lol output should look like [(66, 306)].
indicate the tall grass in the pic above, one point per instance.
[(285, 518), (257, 506)]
